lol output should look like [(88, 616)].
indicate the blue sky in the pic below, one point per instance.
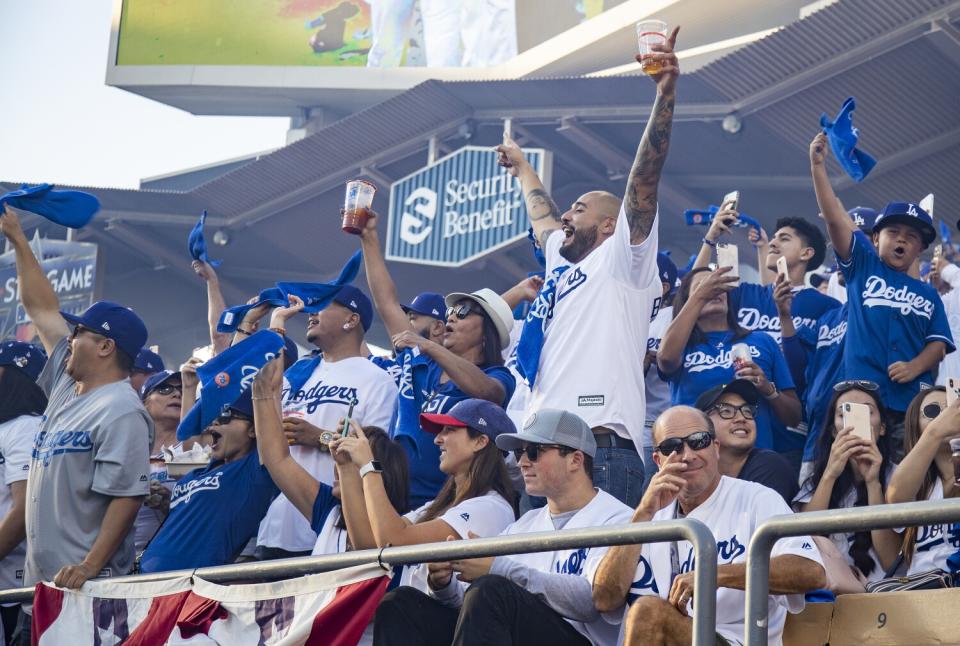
[(60, 123)]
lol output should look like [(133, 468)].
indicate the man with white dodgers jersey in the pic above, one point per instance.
[(521, 599), (592, 317), (317, 393), (898, 331), (656, 580), (89, 469)]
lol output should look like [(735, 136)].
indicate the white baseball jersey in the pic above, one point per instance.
[(733, 512), (323, 401), (591, 363), (16, 443), (935, 543)]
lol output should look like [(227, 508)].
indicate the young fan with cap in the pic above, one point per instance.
[(318, 391), (467, 363), (81, 503), (733, 410), (897, 329), (427, 314), (22, 402), (540, 598)]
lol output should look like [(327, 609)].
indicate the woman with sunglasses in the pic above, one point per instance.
[(216, 510), (927, 473), (696, 354), (851, 471), (435, 376)]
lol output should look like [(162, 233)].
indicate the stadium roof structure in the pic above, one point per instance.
[(899, 58)]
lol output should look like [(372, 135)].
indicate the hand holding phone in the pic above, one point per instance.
[(953, 390), (731, 201), (727, 256), (857, 416), (782, 268), (346, 422)]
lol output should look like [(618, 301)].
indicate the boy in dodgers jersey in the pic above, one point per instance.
[(897, 331), (592, 317), (541, 598), (656, 580)]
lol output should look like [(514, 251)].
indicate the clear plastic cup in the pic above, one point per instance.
[(356, 205), (649, 33), (740, 355)]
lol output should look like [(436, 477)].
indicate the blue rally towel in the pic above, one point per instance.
[(298, 374), (316, 296), (225, 377), (531, 337), (695, 217), (197, 244), (843, 141), (72, 209)]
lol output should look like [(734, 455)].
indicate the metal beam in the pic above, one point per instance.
[(638, 113), (614, 160), (568, 161), (374, 173)]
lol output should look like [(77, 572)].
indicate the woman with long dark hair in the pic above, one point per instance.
[(696, 354), (927, 473), (22, 402), (851, 471), (476, 499)]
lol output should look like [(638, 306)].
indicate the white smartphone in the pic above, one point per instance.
[(727, 257), (731, 200), (953, 390), (782, 267), (858, 417)]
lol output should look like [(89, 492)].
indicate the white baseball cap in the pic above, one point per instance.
[(494, 306)]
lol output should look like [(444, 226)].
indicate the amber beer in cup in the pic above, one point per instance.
[(649, 33), (356, 205)]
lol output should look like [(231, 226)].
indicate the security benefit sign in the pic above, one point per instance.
[(458, 209), (71, 268)]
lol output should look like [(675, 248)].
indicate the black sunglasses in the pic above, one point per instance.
[(533, 451), (80, 329), (229, 415), (462, 310), (729, 411), (696, 441), (931, 410), (167, 389), (855, 384)]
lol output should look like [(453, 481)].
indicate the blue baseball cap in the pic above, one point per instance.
[(667, 270), (156, 380), (479, 414), (910, 214), (26, 357), (115, 322), (863, 217), (243, 404), (148, 361), (356, 301), (429, 304)]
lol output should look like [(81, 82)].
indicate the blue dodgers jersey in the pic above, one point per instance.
[(892, 317), (823, 371), (215, 511), (709, 364), (422, 392), (757, 310)]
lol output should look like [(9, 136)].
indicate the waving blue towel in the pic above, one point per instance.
[(197, 244), (72, 209), (843, 142), (530, 344)]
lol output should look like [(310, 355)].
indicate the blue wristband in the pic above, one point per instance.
[(708, 243)]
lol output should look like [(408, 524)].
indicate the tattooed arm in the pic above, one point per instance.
[(541, 209), (641, 196)]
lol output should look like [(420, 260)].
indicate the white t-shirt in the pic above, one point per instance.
[(591, 361), (657, 390), (844, 540), (485, 516), (935, 543), (733, 512), (16, 445), (323, 401)]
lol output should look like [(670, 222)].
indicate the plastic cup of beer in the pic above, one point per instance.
[(650, 33), (356, 205), (955, 454), (740, 355)]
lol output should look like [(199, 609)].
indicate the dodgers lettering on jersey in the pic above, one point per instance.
[(876, 293), (319, 394), (184, 491), (758, 311), (698, 360), (49, 444), (573, 564), (828, 336)]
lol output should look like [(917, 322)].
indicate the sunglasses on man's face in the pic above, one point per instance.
[(696, 441), (462, 310), (80, 329), (533, 450)]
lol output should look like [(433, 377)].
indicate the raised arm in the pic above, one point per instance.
[(36, 293), (762, 244), (464, 373), (907, 479), (839, 227), (641, 195), (382, 288), (541, 209), (719, 226), (215, 305)]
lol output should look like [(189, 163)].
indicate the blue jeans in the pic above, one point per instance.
[(619, 472)]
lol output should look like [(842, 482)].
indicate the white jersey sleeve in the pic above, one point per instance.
[(634, 265), (483, 516), (16, 446)]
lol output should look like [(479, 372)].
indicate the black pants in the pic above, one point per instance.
[(495, 611), (271, 553), (21, 635), (9, 615)]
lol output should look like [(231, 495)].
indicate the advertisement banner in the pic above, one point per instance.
[(458, 209), (71, 268)]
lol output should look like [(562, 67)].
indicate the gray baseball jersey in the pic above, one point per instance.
[(90, 449)]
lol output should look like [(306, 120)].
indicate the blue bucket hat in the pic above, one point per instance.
[(113, 321), (26, 357), (910, 214)]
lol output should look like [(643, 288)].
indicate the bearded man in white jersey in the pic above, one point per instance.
[(656, 580), (583, 344)]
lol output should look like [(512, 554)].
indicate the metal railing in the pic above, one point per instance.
[(825, 522), (704, 546)]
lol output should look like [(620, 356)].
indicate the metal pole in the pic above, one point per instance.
[(704, 545), (825, 522)]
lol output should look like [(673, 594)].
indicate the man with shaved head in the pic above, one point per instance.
[(583, 344), (655, 581)]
